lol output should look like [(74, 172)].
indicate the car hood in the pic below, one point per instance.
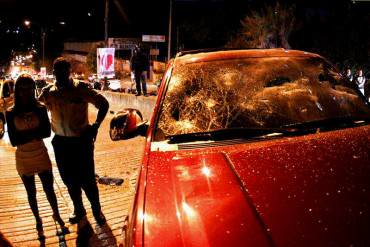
[(311, 190)]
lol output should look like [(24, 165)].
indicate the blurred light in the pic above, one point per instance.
[(206, 171), (89, 13), (62, 23), (188, 210), (27, 23), (145, 217)]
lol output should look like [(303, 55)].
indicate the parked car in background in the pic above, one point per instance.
[(92, 77), (50, 78), (40, 84), (94, 82), (6, 100), (112, 84), (251, 148), (96, 85)]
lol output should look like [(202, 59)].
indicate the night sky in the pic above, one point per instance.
[(319, 23)]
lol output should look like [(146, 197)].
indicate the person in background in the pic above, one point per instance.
[(367, 90), (349, 75), (360, 81), (74, 138), (28, 125), (139, 66)]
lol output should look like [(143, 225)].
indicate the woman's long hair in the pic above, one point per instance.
[(22, 81)]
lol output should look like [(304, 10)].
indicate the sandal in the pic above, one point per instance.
[(40, 230), (63, 229)]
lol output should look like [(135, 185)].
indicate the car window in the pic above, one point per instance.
[(255, 92)]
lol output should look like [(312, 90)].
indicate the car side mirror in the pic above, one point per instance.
[(127, 124)]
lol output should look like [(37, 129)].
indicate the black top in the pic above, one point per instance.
[(139, 62), (19, 137)]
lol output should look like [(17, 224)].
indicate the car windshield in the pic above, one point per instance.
[(268, 92)]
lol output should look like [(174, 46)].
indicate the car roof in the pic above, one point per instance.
[(205, 56)]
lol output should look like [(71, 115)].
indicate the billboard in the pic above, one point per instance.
[(154, 38), (105, 62)]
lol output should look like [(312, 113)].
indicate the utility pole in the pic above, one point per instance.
[(106, 22), (177, 39), (43, 46), (169, 33)]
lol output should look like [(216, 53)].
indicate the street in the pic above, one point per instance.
[(113, 159)]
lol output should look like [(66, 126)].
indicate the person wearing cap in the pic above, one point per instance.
[(73, 143)]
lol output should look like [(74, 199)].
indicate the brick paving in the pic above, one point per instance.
[(114, 159)]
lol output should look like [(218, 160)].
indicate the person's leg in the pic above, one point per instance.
[(362, 91), (143, 83), (47, 181), (65, 153), (92, 193), (89, 184), (29, 184), (137, 81)]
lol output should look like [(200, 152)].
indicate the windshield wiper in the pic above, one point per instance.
[(264, 133), (327, 124), (222, 134)]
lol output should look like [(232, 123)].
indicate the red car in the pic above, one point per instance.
[(252, 148)]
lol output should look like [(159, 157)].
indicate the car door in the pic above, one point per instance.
[(7, 96)]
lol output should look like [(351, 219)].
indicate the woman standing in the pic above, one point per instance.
[(28, 124)]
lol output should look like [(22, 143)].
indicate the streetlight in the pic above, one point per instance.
[(27, 23)]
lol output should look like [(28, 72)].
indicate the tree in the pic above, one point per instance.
[(268, 29)]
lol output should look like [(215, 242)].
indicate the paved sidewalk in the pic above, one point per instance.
[(114, 159)]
